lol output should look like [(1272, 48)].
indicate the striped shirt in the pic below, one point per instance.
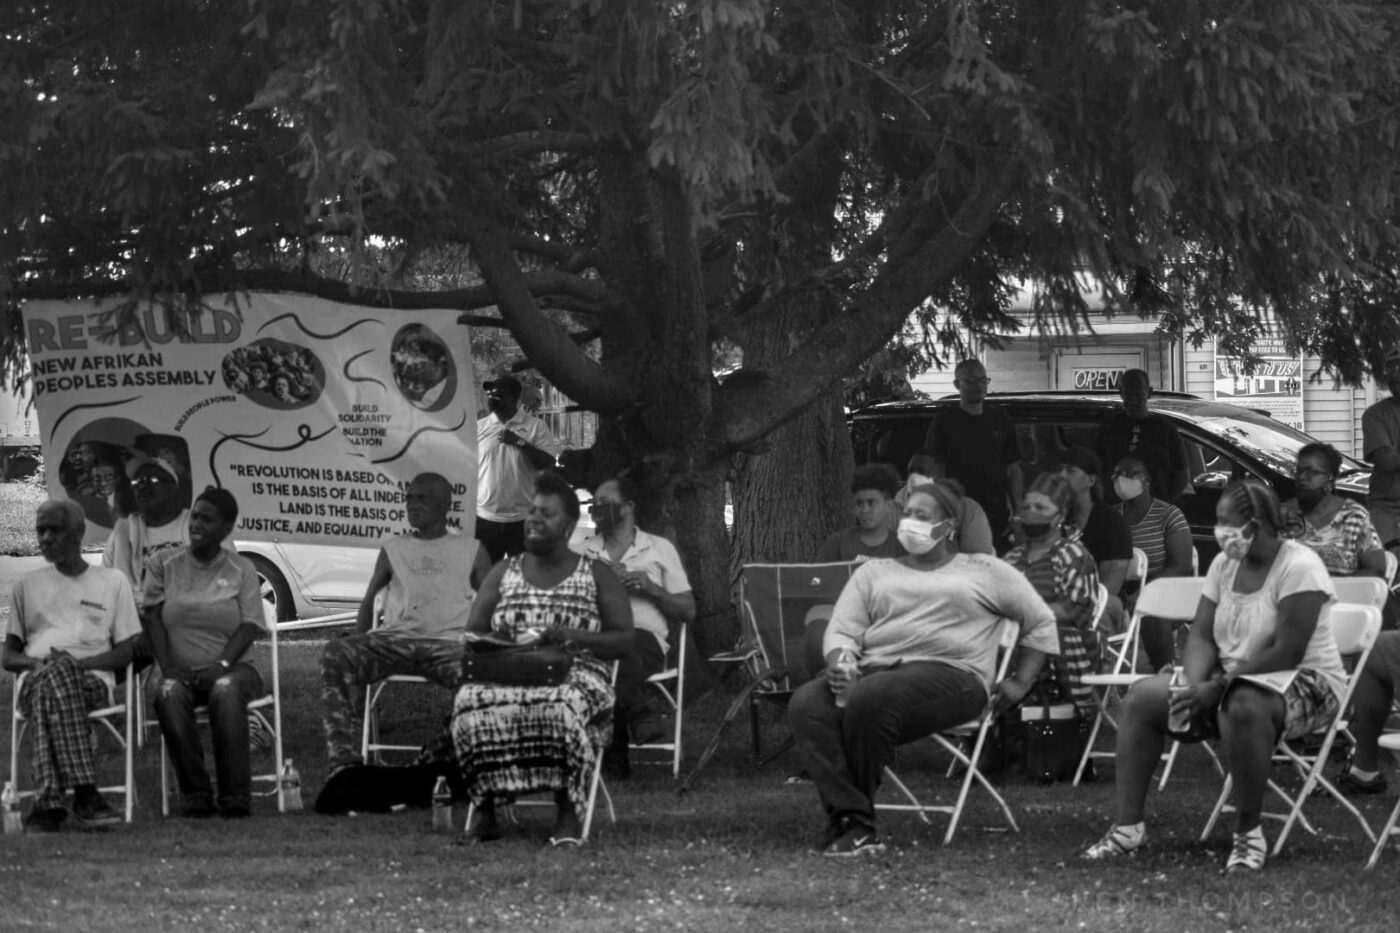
[(1150, 535)]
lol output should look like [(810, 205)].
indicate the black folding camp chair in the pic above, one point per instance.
[(774, 600)]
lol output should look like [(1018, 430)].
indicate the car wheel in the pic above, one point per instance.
[(273, 588)]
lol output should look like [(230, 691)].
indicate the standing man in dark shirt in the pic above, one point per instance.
[(1138, 431), (976, 443)]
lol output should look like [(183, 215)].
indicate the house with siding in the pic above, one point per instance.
[(1092, 361)]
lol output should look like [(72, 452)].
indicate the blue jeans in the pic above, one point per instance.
[(227, 701), (845, 750)]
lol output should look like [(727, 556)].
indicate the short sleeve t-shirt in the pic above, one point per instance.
[(83, 615), (504, 477), (656, 557), (846, 545), (133, 543), (1341, 542), (975, 450), (1161, 520), (430, 585), (1244, 622), (203, 604)]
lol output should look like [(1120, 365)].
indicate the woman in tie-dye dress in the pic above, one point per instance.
[(514, 740)]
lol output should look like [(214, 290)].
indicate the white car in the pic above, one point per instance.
[(311, 581)]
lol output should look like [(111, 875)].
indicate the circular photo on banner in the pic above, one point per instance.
[(275, 374), (423, 367), (108, 460)]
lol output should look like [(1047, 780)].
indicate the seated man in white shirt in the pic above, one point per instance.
[(72, 627), (431, 575), (651, 570)]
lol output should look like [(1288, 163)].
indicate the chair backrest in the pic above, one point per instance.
[(1100, 605), (1354, 625), (774, 600), (1173, 598), (1137, 570), (1368, 591), (1392, 564)]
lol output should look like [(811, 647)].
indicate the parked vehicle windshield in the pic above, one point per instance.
[(1273, 443)]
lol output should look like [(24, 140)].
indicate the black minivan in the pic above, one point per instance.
[(1223, 442)]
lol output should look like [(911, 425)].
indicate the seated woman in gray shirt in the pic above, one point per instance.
[(924, 629)]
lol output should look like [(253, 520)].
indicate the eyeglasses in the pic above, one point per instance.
[(149, 481)]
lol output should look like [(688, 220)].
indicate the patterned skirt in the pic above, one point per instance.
[(518, 740)]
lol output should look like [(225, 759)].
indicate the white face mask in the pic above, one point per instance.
[(1232, 541), (1128, 487), (920, 537)]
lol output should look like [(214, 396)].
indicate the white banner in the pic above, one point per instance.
[(312, 413)]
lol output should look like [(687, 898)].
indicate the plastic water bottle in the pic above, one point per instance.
[(9, 803), (1178, 721), (291, 787), (846, 662), (442, 805)]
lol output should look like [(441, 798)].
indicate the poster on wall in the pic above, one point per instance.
[(1275, 385), (314, 414)]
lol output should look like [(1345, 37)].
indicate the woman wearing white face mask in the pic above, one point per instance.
[(974, 532), (1063, 573), (1338, 529), (924, 628), (1260, 663), (1163, 534)]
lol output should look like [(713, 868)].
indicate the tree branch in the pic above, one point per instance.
[(548, 346), (749, 409)]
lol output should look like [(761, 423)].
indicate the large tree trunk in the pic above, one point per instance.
[(788, 498)]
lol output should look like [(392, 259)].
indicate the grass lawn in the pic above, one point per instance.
[(17, 504), (731, 855)]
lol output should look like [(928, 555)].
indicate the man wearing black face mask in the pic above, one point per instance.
[(659, 590), (512, 447)]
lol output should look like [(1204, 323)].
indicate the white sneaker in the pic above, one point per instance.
[(1116, 842)]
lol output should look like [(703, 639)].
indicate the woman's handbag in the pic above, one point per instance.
[(1054, 737), (532, 665)]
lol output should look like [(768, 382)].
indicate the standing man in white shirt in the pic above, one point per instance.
[(512, 447), (660, 594)]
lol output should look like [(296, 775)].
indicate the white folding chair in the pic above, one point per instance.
[(1172, 598), (1392, 564), (952, 741), (1354, 628), (271, 782), (1137, 570), (596, 784), (370, 745), (116, 719), (1391, 741), (670, 683), (1364, 591)]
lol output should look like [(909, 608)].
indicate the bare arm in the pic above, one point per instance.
[(614, 639), (1371, 563), (1013, 689), (1201, 652), (1112, 573), (481, 567), (378, 579), (113, 659), (13, 658), (1015, 484), (487, 596), (1179, 548), (154, 618)]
